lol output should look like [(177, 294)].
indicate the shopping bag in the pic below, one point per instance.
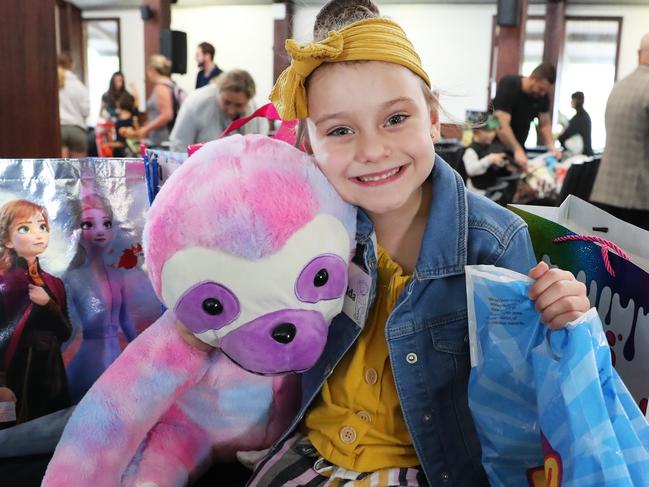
[(84, 219), (549, 408), (612, 258)]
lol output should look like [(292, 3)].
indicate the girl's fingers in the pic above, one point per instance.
[(538, 270), (558, 290), (563, 306), (548, 279)]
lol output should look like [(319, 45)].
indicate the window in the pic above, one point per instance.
[(589, 64), (103, 59)]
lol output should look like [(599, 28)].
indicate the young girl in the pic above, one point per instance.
[(33, 315), (387, 402), (97, 295)]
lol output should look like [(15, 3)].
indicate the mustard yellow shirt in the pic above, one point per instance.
[(357, 422)]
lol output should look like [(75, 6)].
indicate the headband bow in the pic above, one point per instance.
[(366, 40)]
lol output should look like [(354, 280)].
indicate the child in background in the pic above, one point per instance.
[(125, 143), (386, 404), (484, 160)]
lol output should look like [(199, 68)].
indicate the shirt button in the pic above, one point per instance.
[(445, 477), (365, 416), (347, 435), (426, 418), (371, 376), (411, 358)]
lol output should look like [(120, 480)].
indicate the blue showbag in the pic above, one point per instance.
[(549, 408)]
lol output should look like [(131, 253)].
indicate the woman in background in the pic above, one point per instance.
[(116, 88), (74, 106), (159, 106)]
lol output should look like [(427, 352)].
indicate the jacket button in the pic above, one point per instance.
[(426, 418), (411, 358), (327, 370), (371, 376), (445, 477), (365, 416), (347, 435)]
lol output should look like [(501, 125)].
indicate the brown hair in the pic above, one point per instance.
[(10, 212), (239, 81), (89, 202), (335, 15), (545, 71), (64, 60)]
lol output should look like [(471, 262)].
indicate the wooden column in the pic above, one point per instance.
[(29, 94), (71, 36), (510, 42), (554, 40), (283, 29), (161, 20)]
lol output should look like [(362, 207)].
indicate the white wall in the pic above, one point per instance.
[(132, 45), (241, 35), (453, 41)]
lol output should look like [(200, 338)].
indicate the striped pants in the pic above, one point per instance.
[(298, 464)]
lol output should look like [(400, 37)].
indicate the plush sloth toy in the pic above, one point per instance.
[(247, 245)]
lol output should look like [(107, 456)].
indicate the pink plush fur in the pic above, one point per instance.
[(243, 192), (164, 409)]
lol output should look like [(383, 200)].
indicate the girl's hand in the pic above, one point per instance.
[(559, 297), (38, 295)]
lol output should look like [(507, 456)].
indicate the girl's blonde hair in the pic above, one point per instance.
[(89, 202), (11, 212), (335, 15), (160, 64)]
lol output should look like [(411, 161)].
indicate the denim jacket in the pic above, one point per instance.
[(427, 332)]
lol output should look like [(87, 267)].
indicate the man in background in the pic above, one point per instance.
[(205, 60), (579, 125), (622, 183), (208, 111), (518, 101)]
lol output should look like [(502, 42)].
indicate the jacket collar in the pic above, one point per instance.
[(444, 247)]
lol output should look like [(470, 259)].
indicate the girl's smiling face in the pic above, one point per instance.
[(29, 237), (96, 228), (369, 127)]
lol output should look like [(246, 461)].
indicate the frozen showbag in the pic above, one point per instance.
[(73, 292), (549, 408)]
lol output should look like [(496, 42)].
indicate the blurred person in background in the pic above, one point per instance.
[(159, 106), (579, 125), (116, 87), (208, 111), (74, 107), (205, 60)]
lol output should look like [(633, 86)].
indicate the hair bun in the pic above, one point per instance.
[(336, 14)]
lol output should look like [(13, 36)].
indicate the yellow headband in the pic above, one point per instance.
[(365, 40)]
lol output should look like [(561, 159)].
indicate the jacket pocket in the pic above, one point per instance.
[(450, 333)]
